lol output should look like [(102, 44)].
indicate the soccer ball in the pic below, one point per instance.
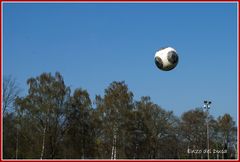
[(166, 58)]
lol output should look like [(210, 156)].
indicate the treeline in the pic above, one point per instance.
[(51, 122)]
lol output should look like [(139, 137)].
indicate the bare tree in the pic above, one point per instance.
[(10, 92)]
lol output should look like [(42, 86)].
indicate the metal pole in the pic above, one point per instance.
[(207, 135), (207, 107)]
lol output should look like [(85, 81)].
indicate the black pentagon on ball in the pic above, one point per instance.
[(158, 62), (172, 57)]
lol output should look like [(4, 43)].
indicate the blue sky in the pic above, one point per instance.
[(92, 45)]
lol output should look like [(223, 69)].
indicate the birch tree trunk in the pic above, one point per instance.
[(43, 142), (16, 153)]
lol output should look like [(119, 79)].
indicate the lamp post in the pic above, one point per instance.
[(207, 107)]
